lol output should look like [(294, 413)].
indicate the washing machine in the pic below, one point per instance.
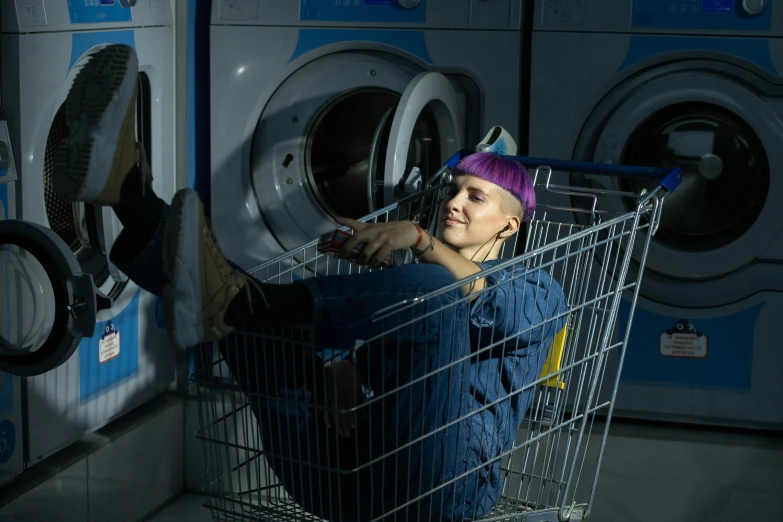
[(696, 84), (11, 462), (86, 343), (324, 108)]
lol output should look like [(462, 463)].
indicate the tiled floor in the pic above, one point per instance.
[(187, 508)]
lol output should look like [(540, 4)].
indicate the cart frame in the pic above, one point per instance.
[(597, 260)]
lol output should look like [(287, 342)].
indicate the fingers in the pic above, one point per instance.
[(344, 421), (348, 222), (372, 248), (371, 240), (346, 424), (341, 412), (351, 242), (379, 256)]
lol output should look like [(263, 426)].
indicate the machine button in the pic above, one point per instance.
[(408, 4), (754, 7)]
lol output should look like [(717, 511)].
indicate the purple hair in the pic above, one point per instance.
[(503, 172)]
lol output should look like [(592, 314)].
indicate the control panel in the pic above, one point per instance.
[(503, 15), (49, 16), (724, 15), (387, 11), (100, 11)]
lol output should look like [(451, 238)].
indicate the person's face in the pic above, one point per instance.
[(472, 215)]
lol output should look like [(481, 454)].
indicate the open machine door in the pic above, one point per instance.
[(48, 303), (432, 92)]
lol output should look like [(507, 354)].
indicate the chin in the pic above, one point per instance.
[(450, 237)]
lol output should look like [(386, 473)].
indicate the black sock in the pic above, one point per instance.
[(288, 304), (140, 209)]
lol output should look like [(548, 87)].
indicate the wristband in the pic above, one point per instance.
[(421, 235)]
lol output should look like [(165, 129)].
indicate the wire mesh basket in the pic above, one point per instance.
[(456, 416)]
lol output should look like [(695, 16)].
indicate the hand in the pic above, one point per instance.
[(379, 239), (343, 392)]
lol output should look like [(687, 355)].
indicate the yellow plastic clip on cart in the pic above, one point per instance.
[(554, 361)]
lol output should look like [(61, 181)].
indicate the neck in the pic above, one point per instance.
[(481, 253)]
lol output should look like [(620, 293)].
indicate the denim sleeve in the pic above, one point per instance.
[(518, 313)]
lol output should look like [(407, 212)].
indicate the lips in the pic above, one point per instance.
[(452, 221)]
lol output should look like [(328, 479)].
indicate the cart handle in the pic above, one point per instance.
[(668, 179)]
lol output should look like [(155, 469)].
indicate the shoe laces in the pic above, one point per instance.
[(252, 282), (227, 271), (141, 161)]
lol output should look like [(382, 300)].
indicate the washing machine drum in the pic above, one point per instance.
[(347, 148), (725, 167), (716, 227)]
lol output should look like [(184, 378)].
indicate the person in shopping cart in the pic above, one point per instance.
[(456, 363)]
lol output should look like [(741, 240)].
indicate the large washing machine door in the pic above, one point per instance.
[(710, 120), (337, 137), (48, 304), (434, 93)]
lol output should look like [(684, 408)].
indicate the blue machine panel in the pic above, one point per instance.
[(752, 50), (7, 440), (703, 354), (411, 41), (98, 11), (718, 5), (717, 15), (386, 11), (111, 356), (81, 42), (3, 198), (6, 381)]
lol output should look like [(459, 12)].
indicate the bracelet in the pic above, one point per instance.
[(418, 253), (421, 234)]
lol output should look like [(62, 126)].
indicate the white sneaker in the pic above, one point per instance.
[(202, 284), (100, 150)]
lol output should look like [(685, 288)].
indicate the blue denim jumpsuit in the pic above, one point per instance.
[(447, 377)]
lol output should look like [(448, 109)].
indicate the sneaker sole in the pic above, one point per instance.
[(95, 109), (182, 295)]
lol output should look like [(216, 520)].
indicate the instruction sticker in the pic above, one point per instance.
[(109, 345), (683, 340)]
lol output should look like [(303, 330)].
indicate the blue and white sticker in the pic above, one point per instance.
[(109, 345), (703, 353), (7, 441), (684, 340), (104, 361)]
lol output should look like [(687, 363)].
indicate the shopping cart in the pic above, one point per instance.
[(261, 392)]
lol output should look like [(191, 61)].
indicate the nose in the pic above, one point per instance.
[(453, 202)]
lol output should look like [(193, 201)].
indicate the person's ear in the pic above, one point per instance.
[(511, 228)]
